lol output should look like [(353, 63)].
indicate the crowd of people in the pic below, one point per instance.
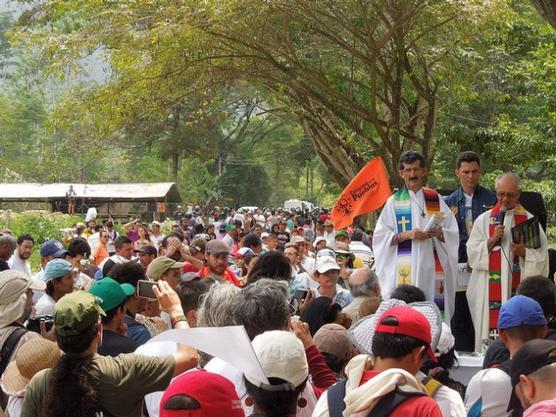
[(347, 322)]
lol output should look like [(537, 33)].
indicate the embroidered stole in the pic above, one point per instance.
[(402, 206), (495, 266)]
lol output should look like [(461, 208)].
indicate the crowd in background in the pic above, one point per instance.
[(76, 335)]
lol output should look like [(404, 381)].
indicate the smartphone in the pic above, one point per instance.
[(145, 289), (301, 293)]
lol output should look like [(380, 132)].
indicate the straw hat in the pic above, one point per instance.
[(33, 356)]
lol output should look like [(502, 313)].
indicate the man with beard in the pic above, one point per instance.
[(410, 246), (20, 259), (216, 256)]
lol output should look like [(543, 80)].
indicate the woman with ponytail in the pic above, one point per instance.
[(85, 384)]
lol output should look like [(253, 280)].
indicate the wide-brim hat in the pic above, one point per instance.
[(343, 248), (33, 356), (362, 332)]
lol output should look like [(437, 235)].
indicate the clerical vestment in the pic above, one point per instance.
[(425, 257), (535, 262)]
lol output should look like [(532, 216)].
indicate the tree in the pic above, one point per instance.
[(504, 106), (363, 78)]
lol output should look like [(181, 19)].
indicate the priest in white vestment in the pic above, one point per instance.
[(491, 242), (400, 236)]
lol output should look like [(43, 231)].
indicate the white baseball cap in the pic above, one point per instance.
[(325, 264), (281, 355), (318, 240)]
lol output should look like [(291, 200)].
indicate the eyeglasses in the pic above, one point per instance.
[(342, 255), (510, 196)]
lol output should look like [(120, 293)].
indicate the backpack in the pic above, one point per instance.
[(383, 408), (431, 385)]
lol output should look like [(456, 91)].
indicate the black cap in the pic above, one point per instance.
[(150, 250), (530, 357)]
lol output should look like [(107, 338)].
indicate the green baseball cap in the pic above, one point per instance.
[(111, 292), (160, 265), (342, 233), (76, 311)]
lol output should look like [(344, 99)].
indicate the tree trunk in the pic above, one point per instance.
[(547, 9)]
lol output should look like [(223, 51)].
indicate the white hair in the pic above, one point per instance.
[(511, 175)]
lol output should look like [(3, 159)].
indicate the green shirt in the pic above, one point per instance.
[(124, 381)]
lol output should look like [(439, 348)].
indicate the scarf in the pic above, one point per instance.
[(361, 399), (495, 266)]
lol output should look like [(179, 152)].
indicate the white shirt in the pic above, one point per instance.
[(93, 240), (18, 264), (156, 240), (82, 282), (117, 259), (45, 305), (308, 264), (449, 401), (39, 276), (235, 376), (229, 241), (488, 393)]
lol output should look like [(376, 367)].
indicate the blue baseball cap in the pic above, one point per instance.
[(57, 268), (521, 311), (53, 248)]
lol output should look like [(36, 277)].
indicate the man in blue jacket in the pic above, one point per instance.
[(467, 203)]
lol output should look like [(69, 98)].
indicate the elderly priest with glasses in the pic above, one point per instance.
[(506, 245)]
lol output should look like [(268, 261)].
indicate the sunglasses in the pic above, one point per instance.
[(342, 255)]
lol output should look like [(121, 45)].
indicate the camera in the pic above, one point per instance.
[(33, 324)]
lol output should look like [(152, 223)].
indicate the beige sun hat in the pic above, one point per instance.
[(33, 356)]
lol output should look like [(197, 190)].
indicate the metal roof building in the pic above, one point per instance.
[(117, 200), (101, 193)]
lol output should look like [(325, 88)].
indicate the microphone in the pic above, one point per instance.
[(503, 210)]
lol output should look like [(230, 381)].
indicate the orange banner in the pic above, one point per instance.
[(367, 192)]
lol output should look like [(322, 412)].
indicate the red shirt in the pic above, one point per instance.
[(423, 406), (228, 276)]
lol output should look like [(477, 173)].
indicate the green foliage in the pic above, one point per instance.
[(244, 185), (224, 96), (42, 225)]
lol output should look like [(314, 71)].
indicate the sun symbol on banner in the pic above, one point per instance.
[(344, 206)]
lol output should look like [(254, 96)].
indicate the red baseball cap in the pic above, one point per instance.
[(215, 394), (406, 321)]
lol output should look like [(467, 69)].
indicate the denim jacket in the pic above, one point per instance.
[(483, 200)]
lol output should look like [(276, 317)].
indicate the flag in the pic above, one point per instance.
[(367, 192)]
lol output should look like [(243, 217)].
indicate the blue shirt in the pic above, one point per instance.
[(136, 331), (483, 200)]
